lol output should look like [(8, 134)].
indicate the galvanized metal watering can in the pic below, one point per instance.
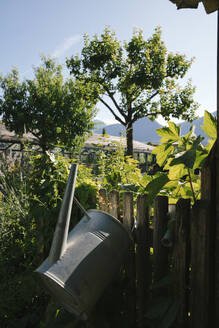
[(82, 263)]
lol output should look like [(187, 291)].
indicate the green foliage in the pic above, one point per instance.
[(155, 185), (55, 111), (30, 199), (115, 169), (135, 79), (21, 302), (85, 191), (210, 125), (181, 157), (47, 180)]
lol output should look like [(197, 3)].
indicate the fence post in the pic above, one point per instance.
[(128, 221), (143, 264), (103, 200), (160, 253), (114, 204), (181, 258), (200, 266)]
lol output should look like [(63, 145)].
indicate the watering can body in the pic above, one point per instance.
[(95, 250)]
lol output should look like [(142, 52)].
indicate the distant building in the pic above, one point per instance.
[(13, 144), (142, 152)]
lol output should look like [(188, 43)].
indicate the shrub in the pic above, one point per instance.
[(30, 200)]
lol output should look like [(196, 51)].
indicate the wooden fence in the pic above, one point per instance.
[(166, 284)]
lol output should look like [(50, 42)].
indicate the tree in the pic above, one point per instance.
[(103, 132), (136, 79), (54, 110)]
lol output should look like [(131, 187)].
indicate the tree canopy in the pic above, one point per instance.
[(135, 79), (55, 110)]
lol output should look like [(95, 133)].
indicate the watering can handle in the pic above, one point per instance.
[(82, 208)]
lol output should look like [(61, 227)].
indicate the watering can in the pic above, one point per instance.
[(82, 263)]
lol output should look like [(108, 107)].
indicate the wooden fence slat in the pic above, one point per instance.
[(208, 177), (114, 205), (143, 264), (208, 192), (103, 200), (181, 255), (128, 221), (200, 269), (160, 253)]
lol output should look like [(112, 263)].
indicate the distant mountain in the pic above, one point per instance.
[(144, 130), (185, 126)]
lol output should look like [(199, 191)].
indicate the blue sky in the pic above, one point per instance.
[(29, 28)]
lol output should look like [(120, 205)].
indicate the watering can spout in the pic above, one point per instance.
[(59, 242)]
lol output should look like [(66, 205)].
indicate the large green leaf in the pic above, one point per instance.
[(172, 184), (177, 171), (154, 187), (167, 134), (162, 152), (210, 125), (188, 157), (174, 128), (200, 158)]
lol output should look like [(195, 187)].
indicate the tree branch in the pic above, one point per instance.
[(135, 117), (149, 99), (110, 109), (114, 101), (153, 95)]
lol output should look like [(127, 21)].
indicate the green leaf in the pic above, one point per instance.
[(188, 157), (210, 144), (177, 171), (174, 128), (168, 134), (163, 151), (171, 185), (210, 125), (154, 187), (200, 158)]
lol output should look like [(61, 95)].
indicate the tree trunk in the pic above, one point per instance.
[(129, 139)]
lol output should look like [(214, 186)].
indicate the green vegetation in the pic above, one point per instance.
[(54, 110), (30, 199), (181, 158), (135, 79), (115, 169)]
